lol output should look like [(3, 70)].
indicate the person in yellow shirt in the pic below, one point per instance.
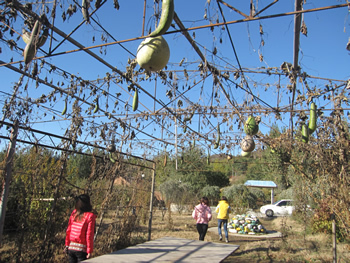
[(223, 210)]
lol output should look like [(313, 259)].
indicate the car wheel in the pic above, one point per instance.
[(269, 213)]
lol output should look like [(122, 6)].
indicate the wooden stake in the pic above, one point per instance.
[(334, 239), (8, 176), (151, 203)]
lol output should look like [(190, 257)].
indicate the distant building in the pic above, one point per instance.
[(262, 184)]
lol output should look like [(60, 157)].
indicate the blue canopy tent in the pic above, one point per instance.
[(262, 184)]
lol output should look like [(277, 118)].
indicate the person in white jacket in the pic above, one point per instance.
[(202, 215)]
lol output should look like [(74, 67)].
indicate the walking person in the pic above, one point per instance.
[(202, 215), (223, 210), (80, 231)]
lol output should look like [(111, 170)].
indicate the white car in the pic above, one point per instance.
[(281, 207)]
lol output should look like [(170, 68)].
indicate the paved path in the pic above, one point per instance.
[(170, 249), (269, 234)]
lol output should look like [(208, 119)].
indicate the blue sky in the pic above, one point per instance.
[(322, 55)]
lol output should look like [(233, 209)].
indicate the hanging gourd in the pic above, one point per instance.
[(245, 154), (304, 133), (166, 18), (97, 107), (85, 5), (217, 143), (165, 160), (42, 39), (248, 144), (32, 44), (251, 126), (135, 102), (153, 53), (111, 148), (111, 158), (313, 118), (65, 107)]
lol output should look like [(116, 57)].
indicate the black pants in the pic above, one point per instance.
[(76, 256), (202, 230)]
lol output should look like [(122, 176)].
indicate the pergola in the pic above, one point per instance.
[(177, 102), (76, 94), (262, 184)]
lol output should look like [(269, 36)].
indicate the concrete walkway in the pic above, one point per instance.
[(170, 249), (269, 234)]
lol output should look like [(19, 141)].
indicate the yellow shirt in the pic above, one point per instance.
[(223, 209)]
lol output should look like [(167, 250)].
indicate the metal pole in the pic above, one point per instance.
[(8, 176), (151, 202), (272, 196)]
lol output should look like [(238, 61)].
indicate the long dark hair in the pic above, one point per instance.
[(82, 205), (205, 200)]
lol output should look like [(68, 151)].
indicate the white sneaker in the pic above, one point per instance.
[(226, 239), (220, 237)]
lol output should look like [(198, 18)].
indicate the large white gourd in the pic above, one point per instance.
[(153, 53)]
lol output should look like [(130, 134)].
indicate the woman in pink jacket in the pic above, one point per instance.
[(81, 230), (202, 214)]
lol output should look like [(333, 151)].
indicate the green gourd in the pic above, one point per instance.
[(304, 133), (250, 126), (166, 18), (65, 108), (31, 47), (111, 158), (135, 103), (313, 118), (97, 107), (85, 5), (217, 143)]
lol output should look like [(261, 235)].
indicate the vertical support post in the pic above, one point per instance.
[(175, 143), (143, 19), (151, 203), (175, 119), (297, 25), (272, 196), (8, 176), (334, 239)]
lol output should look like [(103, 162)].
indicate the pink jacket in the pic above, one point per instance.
[(202, 214), (82, 232)]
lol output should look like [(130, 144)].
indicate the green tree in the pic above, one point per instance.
[(193, 170), (178, 193), (240, 165), (242, 197), (79, 166), (212, 192)]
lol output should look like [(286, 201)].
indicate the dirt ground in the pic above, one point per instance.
[(297, 244), (294, 246), (244, 254)]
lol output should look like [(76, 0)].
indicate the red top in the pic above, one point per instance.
[(82, 232)]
